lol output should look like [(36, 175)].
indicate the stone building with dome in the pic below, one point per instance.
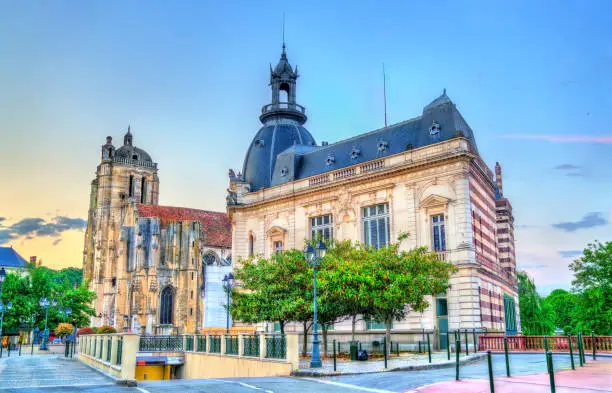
[(155, 269), (423, 177)]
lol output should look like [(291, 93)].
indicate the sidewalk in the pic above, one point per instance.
[(405, 362), (594, 377)]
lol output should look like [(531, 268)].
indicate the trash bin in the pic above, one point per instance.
[(362, 355), (353, 349)]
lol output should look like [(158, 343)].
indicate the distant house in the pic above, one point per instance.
[(11, 261)]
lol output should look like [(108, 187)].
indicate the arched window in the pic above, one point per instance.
[(165, 309), (131, 186), (251, 245), (284, 94), (143, 190)]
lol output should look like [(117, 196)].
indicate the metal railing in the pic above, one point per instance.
[(161, 343), (189, 343), (108, 349), (215, 344), (231, 345), (119, 350), (542, 343), (201, 343), (283, 105), (276, 347), (251, 345)]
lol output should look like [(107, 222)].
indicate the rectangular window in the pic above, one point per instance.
[(438, 234), (372, 324), (278, 246), (322, 227), (375, 221)]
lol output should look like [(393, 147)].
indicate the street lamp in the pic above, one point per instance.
[(3, 307), (228, 283), (45, 303), (65, 313), (314, 258)]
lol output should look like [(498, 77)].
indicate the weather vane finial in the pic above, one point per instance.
[(283, 32)]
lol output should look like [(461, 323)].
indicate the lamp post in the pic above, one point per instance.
[(46, 303), (3, 307), (125, 323), (314, 257), (228, 283), (65, 313)]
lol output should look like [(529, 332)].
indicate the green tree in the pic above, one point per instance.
[(537, 317), (563, 306), (396, 282), (593, 284)]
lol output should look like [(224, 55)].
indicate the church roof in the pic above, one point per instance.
[(216, 225), (10, 258)]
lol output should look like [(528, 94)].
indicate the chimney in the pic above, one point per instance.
[(498, 179), (33, 259), (324, 143)]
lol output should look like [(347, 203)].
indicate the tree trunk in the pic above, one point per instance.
[(353, 324), (388, 336), (324, 328), (305, 341), (282, 326)]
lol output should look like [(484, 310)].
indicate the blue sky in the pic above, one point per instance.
[(533, 79)]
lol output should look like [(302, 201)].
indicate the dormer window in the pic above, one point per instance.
[(135, 157), (330, 160), (259, 142), (382, 146), (434, 130), (283, 172), (355, 153)]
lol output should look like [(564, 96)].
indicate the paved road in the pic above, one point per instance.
[(50, 375)]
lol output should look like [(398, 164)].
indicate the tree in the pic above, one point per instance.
[(106, 329), (64, 329), (563, 305), (536, 315), (396, 282), (593, 284)]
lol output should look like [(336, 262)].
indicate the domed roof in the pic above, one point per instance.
[(133, 153), (273, 138), (130, 152)]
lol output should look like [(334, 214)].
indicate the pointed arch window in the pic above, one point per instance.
[(251, 245), (143, 190), (165, 309), (131, 186)]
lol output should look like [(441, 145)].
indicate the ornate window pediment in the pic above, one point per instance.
[(434, 201), (276, 230)]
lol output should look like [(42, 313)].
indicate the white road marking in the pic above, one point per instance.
[(143, 390), (346, 385), (55, 386), (246, 385)]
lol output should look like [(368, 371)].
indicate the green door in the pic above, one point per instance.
[(442, 319), (510, 314)]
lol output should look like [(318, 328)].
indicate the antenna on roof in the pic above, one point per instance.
[(283, 30), (385, 91)]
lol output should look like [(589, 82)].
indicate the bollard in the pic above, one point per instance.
[(32, 350), (0, 347), (579, 350), (385, 350), (545, 344), (593, 343), (334, 355), (428, 348), (447, 346), (457, 350), (490, 361), (419, 346), (20, 345), (397, 349), (507, 358), (8, 350), (551, 371), (467, 351), (569, 344), (582, 348), (474, 338)]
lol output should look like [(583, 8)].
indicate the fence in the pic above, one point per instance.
[(161, 343), (544, 343)]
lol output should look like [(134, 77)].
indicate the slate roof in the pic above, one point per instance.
[(10, 258), (440, 121), (216, 225)]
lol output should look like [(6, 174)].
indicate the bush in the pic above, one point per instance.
[(85, 330), (64, 329), (106, 329)]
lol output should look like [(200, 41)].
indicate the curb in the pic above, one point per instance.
[(125, 382), (418, 367)]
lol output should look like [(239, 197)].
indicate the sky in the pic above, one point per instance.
[(533, 80)]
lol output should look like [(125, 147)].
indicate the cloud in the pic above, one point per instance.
[(36, 226), (533, 267), (570, 170), (570, 253), (605, 139), (56, 242), (2, 219), (590, 220)]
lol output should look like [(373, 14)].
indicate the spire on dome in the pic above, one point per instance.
[(127, 139)]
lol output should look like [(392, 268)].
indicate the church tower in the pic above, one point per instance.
[(125, 176)]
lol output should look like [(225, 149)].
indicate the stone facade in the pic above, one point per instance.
[(436, 189), (137, 253)]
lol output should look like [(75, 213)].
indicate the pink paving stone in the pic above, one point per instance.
[(596, 376)]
